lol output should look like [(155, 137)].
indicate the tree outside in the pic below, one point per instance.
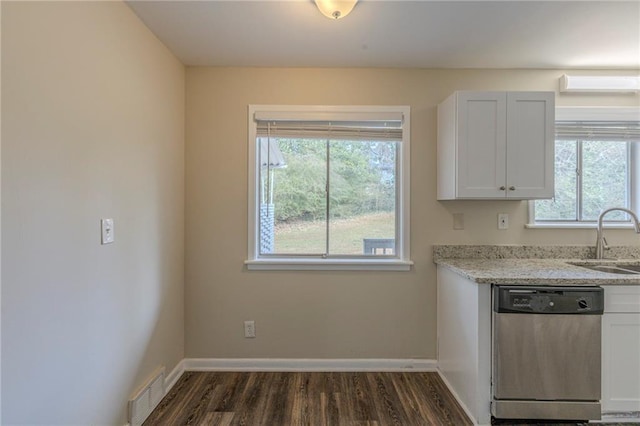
[(604, 181), (360, 179)]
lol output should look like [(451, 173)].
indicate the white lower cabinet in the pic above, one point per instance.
[(621, 350), (464, 342)]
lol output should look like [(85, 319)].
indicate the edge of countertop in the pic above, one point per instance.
[(526, 265), (516, 251)]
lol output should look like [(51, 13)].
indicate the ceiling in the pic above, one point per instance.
[(400, 33)]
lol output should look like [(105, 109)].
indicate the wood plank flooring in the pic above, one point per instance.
[(283, 399)]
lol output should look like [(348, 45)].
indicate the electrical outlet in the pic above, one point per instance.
[(249, 329), (503, 221)]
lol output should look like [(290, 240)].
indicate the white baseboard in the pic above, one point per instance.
[(295, 364), (292, 364), (173, 377), (620, 417)]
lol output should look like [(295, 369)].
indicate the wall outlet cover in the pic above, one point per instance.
[(249, 329)]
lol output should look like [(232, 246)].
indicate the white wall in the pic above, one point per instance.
[(93, 109), (333, 314)]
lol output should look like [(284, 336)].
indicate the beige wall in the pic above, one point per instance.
[(332, 314), (93, 126)]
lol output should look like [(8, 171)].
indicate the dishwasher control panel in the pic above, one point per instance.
[(548, 300)]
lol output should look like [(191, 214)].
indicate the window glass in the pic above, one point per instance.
[(293, 197), (565, 203), (362, 195), (604, 178), (590, 176), (359, 197)]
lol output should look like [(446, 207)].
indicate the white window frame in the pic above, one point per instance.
[(597, 114), (400, 262)]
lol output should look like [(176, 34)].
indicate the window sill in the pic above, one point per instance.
[(560, 225), (328, 265)]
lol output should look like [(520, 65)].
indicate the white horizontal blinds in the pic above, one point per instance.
[(627, 131), (344, 126)]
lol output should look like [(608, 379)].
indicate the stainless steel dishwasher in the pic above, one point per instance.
[(546, 344)]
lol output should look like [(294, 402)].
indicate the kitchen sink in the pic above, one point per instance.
[(612, 268), (635, 268)]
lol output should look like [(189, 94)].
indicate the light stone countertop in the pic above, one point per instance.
[(506, 265)]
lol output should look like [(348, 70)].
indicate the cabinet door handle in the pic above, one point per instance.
[(502, 188), (512, 188)]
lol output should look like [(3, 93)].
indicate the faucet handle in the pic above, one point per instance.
[(605, 245)]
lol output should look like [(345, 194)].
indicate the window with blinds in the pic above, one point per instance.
[(598, 130), (595, 169), (328, 186)]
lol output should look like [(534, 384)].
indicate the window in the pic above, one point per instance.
[(328, 188), (596, 156)]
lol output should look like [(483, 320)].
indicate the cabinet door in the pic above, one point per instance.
[(481, 132), (530, 144), (621, 362)]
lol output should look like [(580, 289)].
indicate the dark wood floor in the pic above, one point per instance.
[(283, 399)]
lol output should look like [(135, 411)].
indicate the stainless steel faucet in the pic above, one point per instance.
[(601, 243)]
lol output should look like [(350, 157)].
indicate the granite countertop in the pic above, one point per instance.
[(535, 265)]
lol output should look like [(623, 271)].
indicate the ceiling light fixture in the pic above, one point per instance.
[(335, 9), (602, 84)]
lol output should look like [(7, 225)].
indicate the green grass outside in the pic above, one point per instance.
[(345, 236)]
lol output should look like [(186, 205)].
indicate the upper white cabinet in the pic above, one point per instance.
[(496, 145)]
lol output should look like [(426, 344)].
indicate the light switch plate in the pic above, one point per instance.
[(107, 231)]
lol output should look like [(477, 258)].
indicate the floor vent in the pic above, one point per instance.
[(147, 398)]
